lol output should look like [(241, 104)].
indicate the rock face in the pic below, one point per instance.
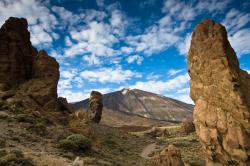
[(221, 92), (95, 106), (16, 53), (170, 156), (27, 77)]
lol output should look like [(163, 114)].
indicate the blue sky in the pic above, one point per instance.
[(106, 45)]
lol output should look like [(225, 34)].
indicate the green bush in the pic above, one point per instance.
[(68, 145), (75, 142)]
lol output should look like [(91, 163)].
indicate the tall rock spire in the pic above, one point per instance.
[(221, 92)]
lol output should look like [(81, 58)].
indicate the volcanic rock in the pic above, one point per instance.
[(16, 53), (187, 127), (135, 107), (221, 92), (170, 156), (95, 106), (27, 77)]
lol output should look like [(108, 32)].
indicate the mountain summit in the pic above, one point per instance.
[(143, 104)]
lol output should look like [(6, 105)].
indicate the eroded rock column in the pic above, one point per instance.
[(221, 92), (95, 106)]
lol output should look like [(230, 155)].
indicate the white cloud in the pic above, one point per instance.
[(173, 72), (235, 20), (179, 10), (240, 41), (73, 96), (160, 87), (64, 84), (92, 59), (153, 40), (101, 90), (126, 50), (152, 76), (68, 41), (95, 40), (109, 75), (248, 71), (67, 17), (135, 58), (183, 46), (39, 35), (184, 90), (184, 98), (212, 6), (68, 74), (100, 3), (41, 21)]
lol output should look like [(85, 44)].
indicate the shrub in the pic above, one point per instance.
[(68, 145), (75, 142), (24, 118), (82, 141), (40, 129)]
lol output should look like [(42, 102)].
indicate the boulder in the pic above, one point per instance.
[(169, 156), (95, 106), (221, 92), (157, 132), (187, 127)]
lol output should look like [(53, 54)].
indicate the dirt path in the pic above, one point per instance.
[(149, 149)]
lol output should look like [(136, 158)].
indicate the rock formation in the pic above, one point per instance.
[(221, 92), (95, 106), (27, 77), (16, 53), (170, 156), (187, 127)]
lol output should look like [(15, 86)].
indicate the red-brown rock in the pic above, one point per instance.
[(95, 106), (170, 156), (30, 76), (16, 52), (221, 92)]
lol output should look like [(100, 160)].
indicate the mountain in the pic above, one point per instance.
[(137, 107)]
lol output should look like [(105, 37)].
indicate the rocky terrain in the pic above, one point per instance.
[(38, 128), (221, 91), (137, 107)]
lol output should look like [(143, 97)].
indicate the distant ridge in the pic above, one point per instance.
[(134, 102)]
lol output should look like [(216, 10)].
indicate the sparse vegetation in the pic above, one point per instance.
[(14, 158), (25, 118), (75, 143)]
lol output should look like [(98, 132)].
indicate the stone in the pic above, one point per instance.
[(95, 106), (221, 92), (27, 76), (64, 105), (169, 156), (187, 127), (16, 52), (157, 132)]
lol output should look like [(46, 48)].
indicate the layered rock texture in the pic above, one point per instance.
[(95, 106), (170, 156), (221, 92), (27, 77)]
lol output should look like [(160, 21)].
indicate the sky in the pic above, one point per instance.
[(106, 45)]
